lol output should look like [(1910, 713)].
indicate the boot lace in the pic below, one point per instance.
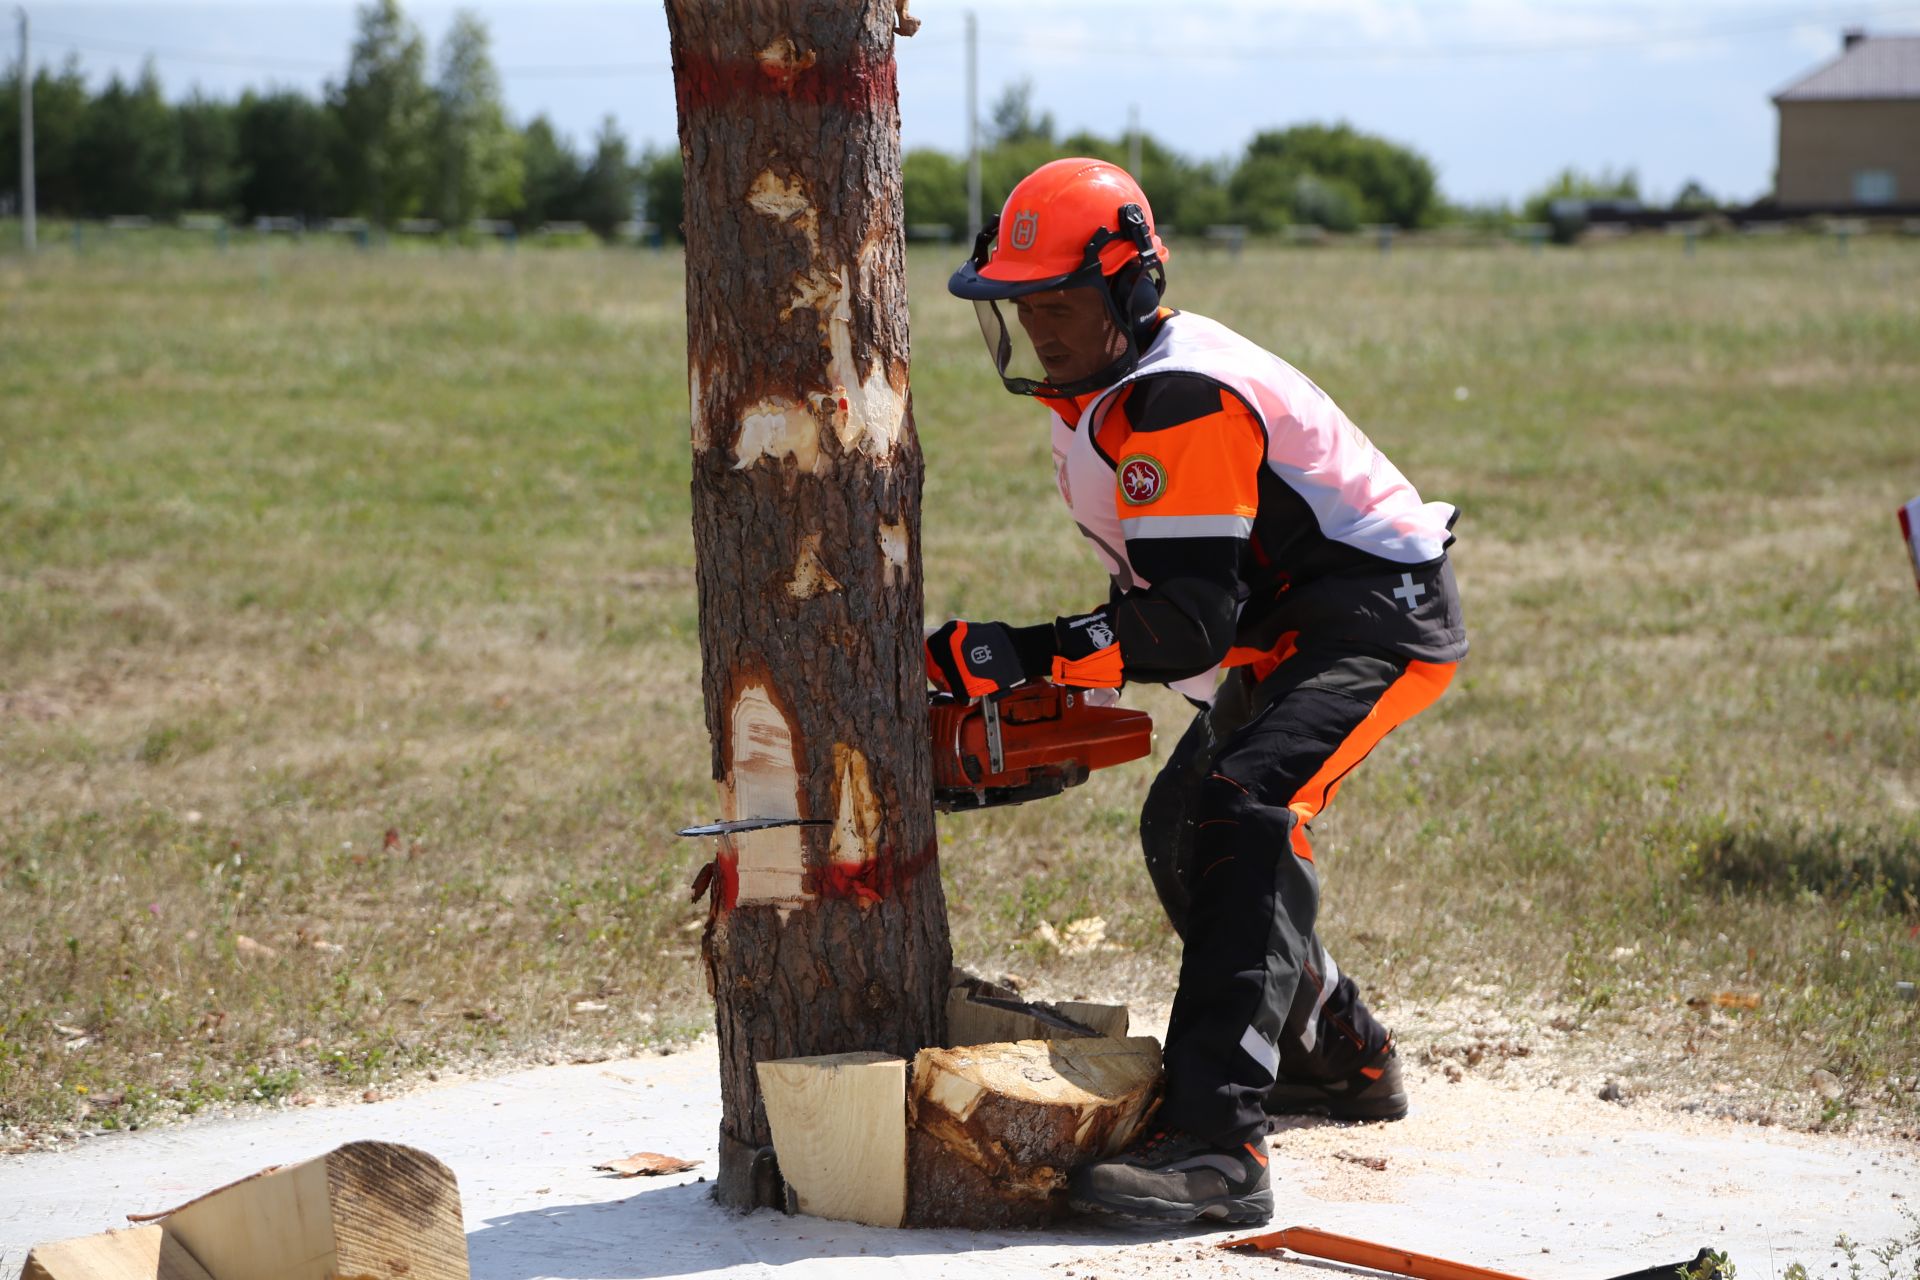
[(1155, 1144)]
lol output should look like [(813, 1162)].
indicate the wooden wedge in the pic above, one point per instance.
[(1111, 1021), (981, 1012)]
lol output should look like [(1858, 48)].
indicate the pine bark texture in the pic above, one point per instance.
[(806, 513), (994, 1129)]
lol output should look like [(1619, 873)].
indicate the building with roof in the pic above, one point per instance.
[(1850, 130)]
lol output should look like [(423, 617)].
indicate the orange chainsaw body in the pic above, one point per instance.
[(1027, 743)]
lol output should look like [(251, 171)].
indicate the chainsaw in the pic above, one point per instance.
[(1026, 743)]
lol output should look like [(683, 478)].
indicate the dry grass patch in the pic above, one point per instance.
[(349, 682)]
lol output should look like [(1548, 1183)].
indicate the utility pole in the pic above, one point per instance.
[(27, 230), (973, 126), (1133, 140)]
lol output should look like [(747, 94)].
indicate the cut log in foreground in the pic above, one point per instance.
[(368, 1210), (144, 1253), (982, 1012), (994, 1129), (371, 1210), (840, 1132)]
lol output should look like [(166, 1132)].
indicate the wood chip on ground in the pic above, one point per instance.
[(646, 1164)]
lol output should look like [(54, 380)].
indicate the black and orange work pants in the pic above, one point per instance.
[(1225, 835)]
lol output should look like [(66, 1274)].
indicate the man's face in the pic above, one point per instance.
[(1072, 332)]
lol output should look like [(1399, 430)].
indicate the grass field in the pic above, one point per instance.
[(349, 682)]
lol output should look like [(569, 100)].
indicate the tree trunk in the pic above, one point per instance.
[(806, 515)]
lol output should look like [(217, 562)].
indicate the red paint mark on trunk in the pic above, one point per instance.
[(869, 882), (862, 882), (860, 85)]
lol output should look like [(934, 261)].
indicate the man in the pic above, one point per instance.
[(1246, 524)]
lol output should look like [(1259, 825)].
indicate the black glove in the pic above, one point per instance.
[(974, 659)]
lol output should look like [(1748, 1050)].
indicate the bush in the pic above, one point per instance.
[(1382, 181), (935, 190), (1261, 193)]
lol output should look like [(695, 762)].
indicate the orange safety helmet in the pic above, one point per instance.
[(1073, 223)]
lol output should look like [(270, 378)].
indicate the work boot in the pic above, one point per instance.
[(1176, 1177), (1374, 1092)]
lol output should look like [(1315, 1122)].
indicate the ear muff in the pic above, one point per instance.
[(1139, 286), (1136, 296)]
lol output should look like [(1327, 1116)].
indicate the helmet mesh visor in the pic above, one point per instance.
[(1011, 350), (1079, 362)]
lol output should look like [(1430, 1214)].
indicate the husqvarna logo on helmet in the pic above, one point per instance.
[(1025, 230)]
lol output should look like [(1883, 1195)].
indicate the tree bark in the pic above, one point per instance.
[(806, 513)]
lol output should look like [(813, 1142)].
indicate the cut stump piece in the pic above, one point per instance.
[(144, 1253), (370, 1210), (839, 1126), (993, 1130), (982, 1012)]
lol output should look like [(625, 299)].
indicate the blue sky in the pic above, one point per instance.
[(1500, 94)]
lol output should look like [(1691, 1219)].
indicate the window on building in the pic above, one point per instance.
[(1873, 186)]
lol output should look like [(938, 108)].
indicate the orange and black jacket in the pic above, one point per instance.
[(1231, 566)]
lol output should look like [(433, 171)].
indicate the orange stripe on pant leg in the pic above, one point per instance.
[(1417, 688)]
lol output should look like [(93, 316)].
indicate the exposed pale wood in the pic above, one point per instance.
[(369, 1210), (144, 1253), (982, 1012), (840, 1133), (994, 1129)]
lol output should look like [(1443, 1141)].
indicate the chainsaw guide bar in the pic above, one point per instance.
[(752, 824)]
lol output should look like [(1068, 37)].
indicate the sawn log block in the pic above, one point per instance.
[(839, 1126), (994, 1129), (143, 1253), (370, 1210)]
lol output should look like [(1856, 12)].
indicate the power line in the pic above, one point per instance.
[(1582, 44), (1236, 51), (610, 69), (92, 44)]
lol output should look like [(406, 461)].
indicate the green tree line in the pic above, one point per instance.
[(391, 138), (1331, 176)]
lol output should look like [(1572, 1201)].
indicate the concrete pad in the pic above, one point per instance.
[(1534, 1182)]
